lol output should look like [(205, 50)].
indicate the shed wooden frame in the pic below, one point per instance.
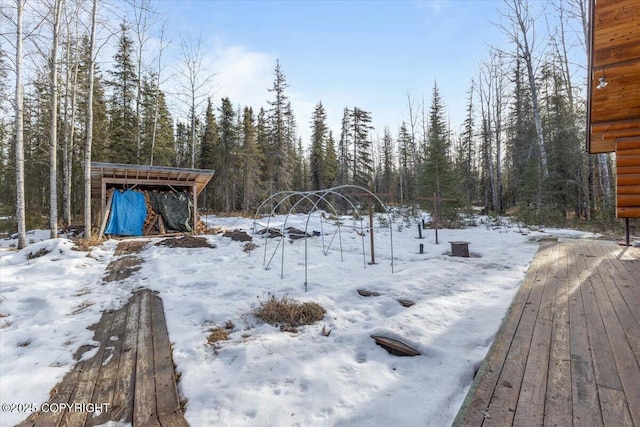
[(114, 175)]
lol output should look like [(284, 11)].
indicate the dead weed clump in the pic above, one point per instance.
[(217, 334), (289, 313), (84, 244)]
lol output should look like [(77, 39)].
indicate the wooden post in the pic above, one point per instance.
[(194, 191), (373, 258), (436, 199), (419, 231), (370, 200), (436, 202)]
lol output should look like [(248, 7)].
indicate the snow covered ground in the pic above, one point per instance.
[(262, 376)]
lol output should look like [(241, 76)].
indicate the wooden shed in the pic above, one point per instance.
[(107, 176), (614, 95)]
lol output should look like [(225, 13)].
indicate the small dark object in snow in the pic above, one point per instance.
[(295, 234), (238, 236), (460, 249), (395, 347), (38, 253), (365, 293), (270, 232), (406, 302), (186, 242)]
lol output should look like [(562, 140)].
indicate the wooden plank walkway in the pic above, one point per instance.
[(568, 350), (130, 378), (126, 262)]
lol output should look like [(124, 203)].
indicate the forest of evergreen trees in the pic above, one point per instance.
[(520, 150)]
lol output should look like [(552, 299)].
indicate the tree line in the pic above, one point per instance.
[(520, 149)]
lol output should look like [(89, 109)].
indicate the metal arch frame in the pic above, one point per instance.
[(315, 197)]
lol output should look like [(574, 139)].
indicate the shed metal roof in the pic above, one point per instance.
[(151, 175)]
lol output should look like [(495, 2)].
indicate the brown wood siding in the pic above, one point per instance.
[(628, 180), (614, 110)]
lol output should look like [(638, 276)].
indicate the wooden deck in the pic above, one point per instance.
[(130, 378), (568, 351)]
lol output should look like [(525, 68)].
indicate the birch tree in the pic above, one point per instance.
[(19, 129), (89, 139), (521, 31), (53, 149), (195, 81)]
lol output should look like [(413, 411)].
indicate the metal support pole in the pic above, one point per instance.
[(627, 232), (373, 258)]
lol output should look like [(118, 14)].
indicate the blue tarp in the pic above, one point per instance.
[(128, 212)]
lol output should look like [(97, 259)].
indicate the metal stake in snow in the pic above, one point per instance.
[(369, 196), (436, 199)]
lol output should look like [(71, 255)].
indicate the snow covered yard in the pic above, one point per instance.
[(262, 376)]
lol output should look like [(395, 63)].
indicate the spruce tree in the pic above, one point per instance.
[(388, 172), (122, 125), (406, 165), (344, 145), (465, 159), (280, 145), (317, 163), (227, 153), (251, 164), (362, 163), (438, 176), (330, 163)]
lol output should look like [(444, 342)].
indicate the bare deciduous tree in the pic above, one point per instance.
[(89, 140), (19, 129), (522, 34), (196, 82), (53, 146)]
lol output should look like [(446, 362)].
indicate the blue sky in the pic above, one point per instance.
[(369, 54)]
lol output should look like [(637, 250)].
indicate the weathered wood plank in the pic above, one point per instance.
[(615, 411), (144, 403), (124, 390), (166, 391), (587, 296), (558, 408), (479, 397), (623, 354), (584, 393), (531, 401), (60, 394), (504, 401), (106, 382), (83, 393)]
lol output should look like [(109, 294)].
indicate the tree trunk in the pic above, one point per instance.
[(53, 147), (20, 210), (89, 140)]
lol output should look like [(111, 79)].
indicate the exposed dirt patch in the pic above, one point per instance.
[(130, 247), (238, 235), (186, 242), (122, 268), (37, 254)]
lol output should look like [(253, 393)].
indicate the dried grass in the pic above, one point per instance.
[(289, 313), (217, 334), (84, 244)]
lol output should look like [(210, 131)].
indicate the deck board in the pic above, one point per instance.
[(568, 350), (131, 372)]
